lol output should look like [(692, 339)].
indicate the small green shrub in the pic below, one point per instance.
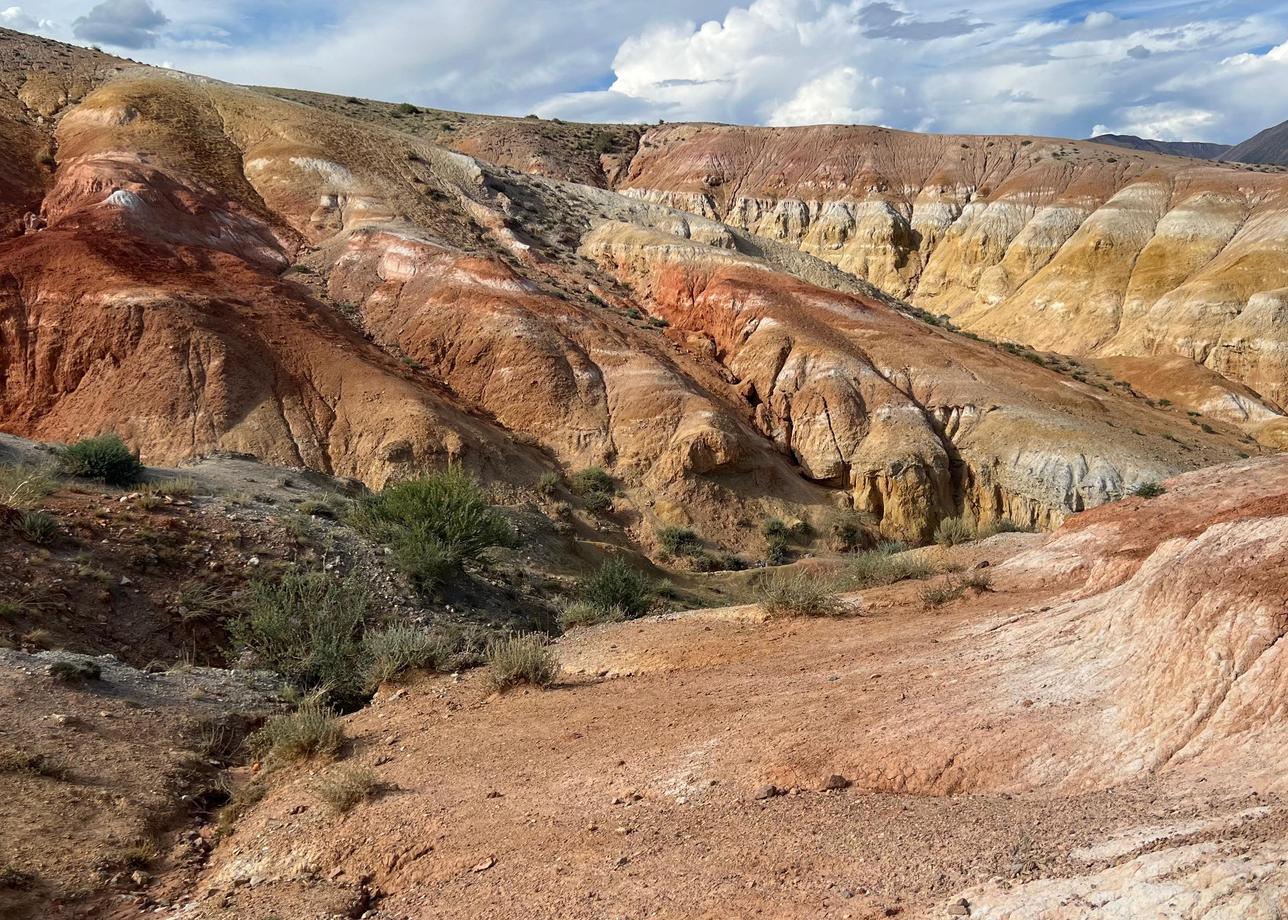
[(24, 487), (75, 670), (406, 108), (517, 660), (1148, 489), (616, 585), (548, 484), (773, 527), (307, 627), (346, 787), (953, 531), (312, 730), (679, 541), (940, 594), (800, 596), (595, 487), (38, 526), (435, 525), (848, 532), (177, 487), (105, 458), (581, 613), (776, 549)]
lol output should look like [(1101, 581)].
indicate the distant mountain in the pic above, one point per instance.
[(1270, 146), (1195, 149)]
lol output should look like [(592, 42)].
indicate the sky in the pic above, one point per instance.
[(1167, 69)]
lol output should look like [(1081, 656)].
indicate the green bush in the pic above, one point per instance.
[(800, 596), (37, 526), (595, 487), (548, 484), (848, 532), (1004, 525), (679, 541), (617, 585), (1149, 489), (776, 551), (312, 730), (517, 660), (435, 525), (105, 457), (307, 626), (952, 531)]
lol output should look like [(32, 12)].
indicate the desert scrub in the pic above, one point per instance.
[(37, 526), (434, 525), (24, 487), (1004, 525), (175, 487), (548, 484), (517, 660), (1149, 489), (595, 487), (953, 531), (679, 541), (312, 730), (393, 651), (581, 613), (346, 787), (307, 626), (615, 585), (954, 586), (800, 596), (14, 761), (106, 458), (877, 567), (848, 532)]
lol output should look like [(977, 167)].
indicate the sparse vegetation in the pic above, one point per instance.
[(518, 660), (1148, 489), (679, 541), (395, 650), (582, 613), (312, 730), (106, 458), (307, 627), (176, 487), (435, 525), (595, 487), (38, 526), (548, 484), (24, 487), (1003, 525), (954, 586), (346, 787), (14, 761), (800, 596), (615, 585), (406, 108), (75, 670), (878, 567), (954, 531), (848, 532)]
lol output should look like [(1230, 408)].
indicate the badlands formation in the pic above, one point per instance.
[(299, 298)]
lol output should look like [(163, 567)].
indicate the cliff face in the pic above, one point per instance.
[(1061, 245)]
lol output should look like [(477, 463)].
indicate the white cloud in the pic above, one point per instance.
[(15, 17), (999, 66), (123, 23)]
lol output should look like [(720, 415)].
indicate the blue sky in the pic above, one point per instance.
[(1215, 71)]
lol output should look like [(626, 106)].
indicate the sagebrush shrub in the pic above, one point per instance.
[(312, 730), (878, 567), (800, 596), (953, 531), (679, 541), (105, 458), (517, 660), (346, 787), (307, 626)]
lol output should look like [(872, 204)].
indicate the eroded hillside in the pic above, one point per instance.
[(246, 272)]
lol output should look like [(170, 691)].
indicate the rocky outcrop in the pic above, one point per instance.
[(915, 423), (1061, 245)]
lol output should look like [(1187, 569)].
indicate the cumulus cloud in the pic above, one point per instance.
[(123, 23), (15, 17), (1215, 72)]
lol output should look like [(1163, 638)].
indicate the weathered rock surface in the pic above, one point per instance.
[(1061, 245)]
